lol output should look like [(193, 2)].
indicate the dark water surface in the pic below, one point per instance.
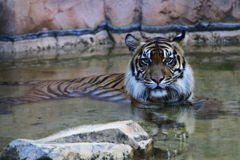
[(179, 132)]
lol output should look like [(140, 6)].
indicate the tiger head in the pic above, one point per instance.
[(158, 71)]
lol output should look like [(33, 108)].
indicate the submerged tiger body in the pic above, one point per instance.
[(102, 87), (157, 73)]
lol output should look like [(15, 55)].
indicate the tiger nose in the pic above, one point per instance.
[(157, 79)]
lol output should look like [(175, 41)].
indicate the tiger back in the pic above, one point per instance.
[(101, 87)]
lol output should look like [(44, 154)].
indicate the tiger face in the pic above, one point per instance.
[(158, 71)]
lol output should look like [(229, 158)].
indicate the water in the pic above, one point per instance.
[(178, 132)]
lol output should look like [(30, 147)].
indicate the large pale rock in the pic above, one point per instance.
[(115, 140), (29, 150)]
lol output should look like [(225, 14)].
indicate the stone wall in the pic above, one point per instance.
[(39, 25), (24, 16)]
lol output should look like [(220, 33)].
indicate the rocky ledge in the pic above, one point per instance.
[(117, 140), (38, 45)]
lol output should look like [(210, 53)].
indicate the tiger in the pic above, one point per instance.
[(157, 73)]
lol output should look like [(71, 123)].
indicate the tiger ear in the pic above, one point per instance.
[(179, 37), (131, 42)]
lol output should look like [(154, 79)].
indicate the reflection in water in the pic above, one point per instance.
[(176, 122), (188, 119), (208, 129)]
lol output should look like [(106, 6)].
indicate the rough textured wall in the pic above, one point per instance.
[(24, 16)]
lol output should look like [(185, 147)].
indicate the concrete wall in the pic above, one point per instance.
[(24, 16)]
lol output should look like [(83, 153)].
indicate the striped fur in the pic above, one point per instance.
[(102, 87)]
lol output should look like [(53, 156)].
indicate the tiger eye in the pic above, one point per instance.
[(168, 60), (145, 61)]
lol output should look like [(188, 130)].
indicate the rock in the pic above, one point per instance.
[(91, 44), (79, 14), (122, 13), (30, 48), (7, 17), (155, 12), (28, 150), (236, 10), (117, 140), (84, 41), (24, 16), (216, 10)]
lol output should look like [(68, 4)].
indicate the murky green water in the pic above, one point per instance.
[(178, 132)]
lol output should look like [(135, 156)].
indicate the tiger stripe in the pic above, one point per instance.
[(101, 87)]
